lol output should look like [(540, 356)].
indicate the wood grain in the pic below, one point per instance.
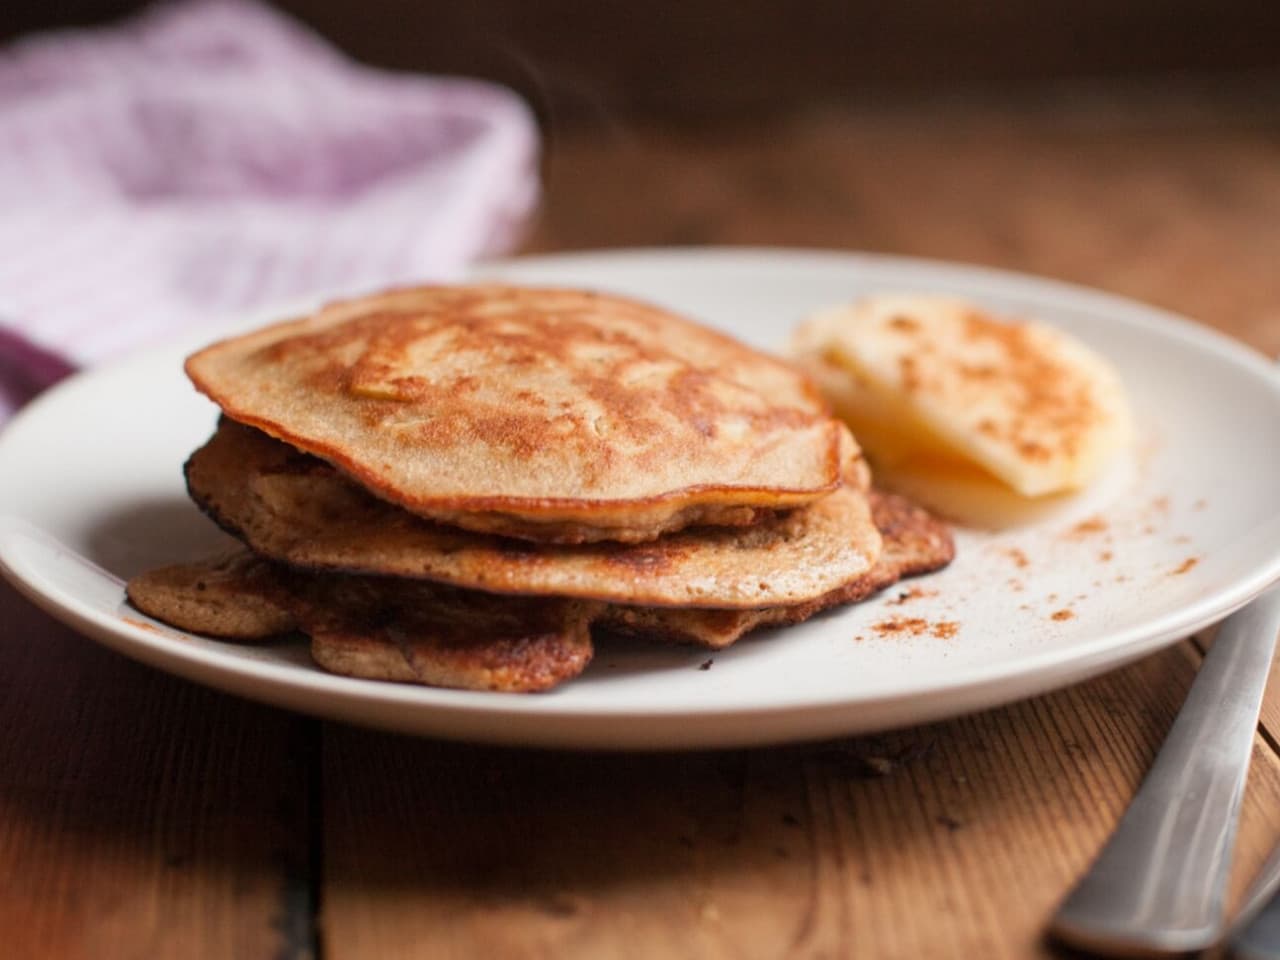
[(954, 840), (1173, 202), (143, 816)]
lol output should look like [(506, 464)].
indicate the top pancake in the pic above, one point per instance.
[(548, 414)]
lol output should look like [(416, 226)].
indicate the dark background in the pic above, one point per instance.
[(698, 60)]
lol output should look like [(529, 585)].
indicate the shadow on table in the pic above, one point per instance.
[(121, 784)]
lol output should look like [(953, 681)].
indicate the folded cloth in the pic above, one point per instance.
[(211, 155)]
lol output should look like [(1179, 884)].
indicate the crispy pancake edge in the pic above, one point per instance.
[(915, 543)]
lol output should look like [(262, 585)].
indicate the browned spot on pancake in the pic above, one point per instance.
[(1063, 614), (1185, 566), (644, 560)]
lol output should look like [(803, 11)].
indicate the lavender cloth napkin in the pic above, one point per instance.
[(211, 155)]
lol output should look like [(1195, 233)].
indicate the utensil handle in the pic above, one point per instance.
[(1157, 887), (1257, 934)]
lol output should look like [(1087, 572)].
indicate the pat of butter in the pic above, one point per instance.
[(935, 388)]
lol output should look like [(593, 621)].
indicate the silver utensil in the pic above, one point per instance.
[(1256, 933), (1157, 887)]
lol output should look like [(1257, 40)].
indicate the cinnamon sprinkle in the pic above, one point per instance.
[(916, 627), (1018, 557), (1087, 527), (899, 625)]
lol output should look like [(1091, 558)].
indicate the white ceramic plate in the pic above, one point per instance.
[(91, 487)]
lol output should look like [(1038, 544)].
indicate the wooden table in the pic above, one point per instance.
[(142, 816)]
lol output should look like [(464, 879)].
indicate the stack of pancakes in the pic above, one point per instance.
[(457, 485)]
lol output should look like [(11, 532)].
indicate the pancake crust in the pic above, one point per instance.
[(296, 509), (548, 414), (914, 543)]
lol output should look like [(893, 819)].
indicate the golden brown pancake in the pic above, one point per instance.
[(297, 509), (914, 543), (547, 414), (384, 628), (235, 595), (378, 628), (388, 628)]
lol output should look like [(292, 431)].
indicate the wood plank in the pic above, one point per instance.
[(1270, 719), (950, 840), (1177, 204), (140, 815)]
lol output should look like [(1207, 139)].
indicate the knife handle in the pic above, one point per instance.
[(1157, 886), (1260, 938)]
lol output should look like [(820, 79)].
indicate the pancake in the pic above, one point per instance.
[(914, 543), (235, 595), (945, 395), (546, 414), (377, 628), (382, 628), (297, 509), (387, 628)]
